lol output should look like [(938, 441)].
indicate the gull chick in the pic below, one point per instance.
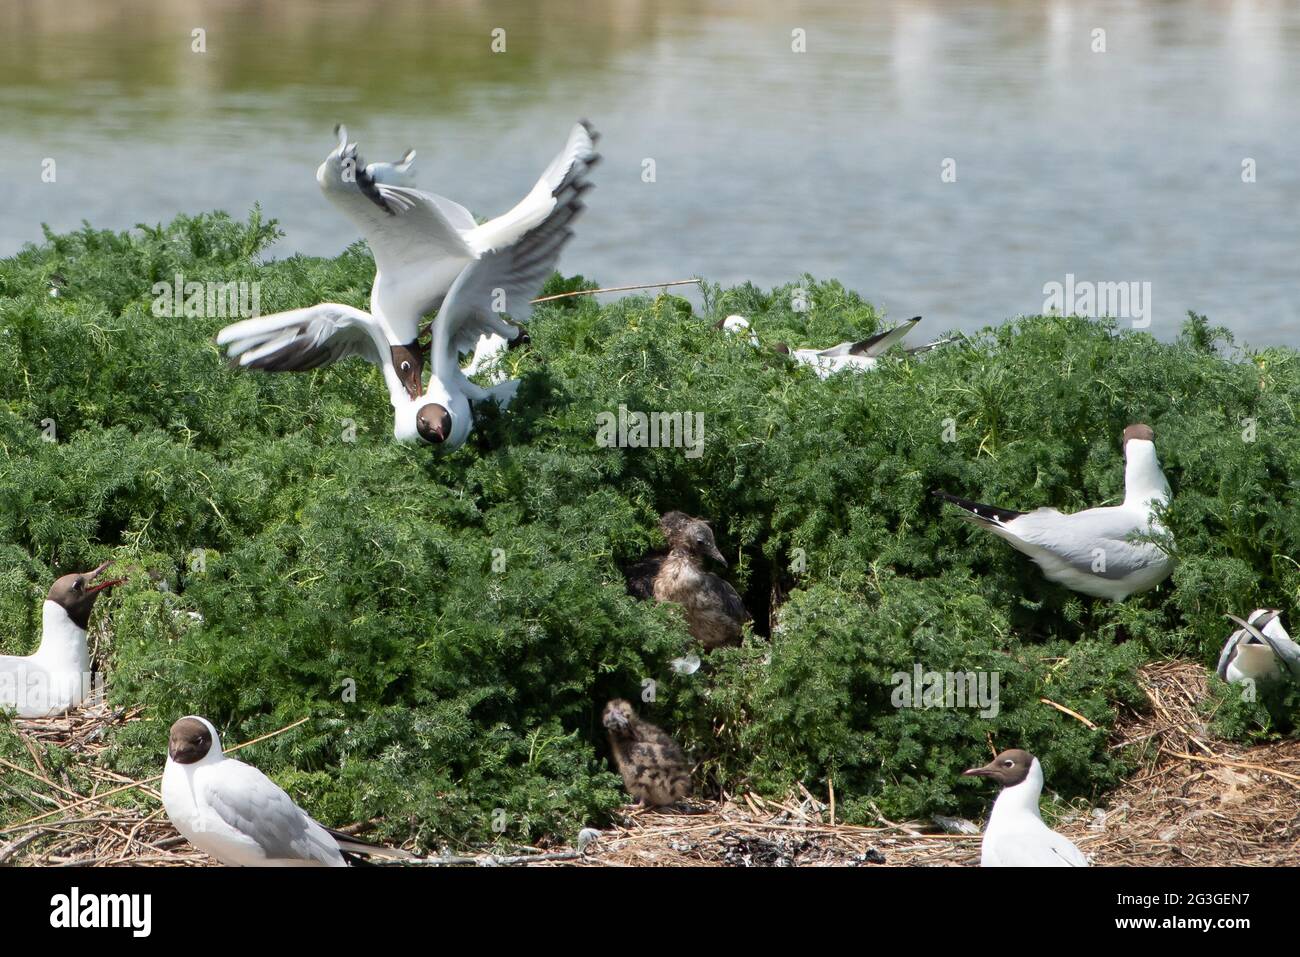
[(1259, 650), (654, 767), (236, 814), (714, 612), (57, 676), (1096, 551), (1015, 835)]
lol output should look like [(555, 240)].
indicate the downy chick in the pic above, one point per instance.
[(654, 767)]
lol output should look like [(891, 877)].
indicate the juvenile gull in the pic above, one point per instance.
[(1015, 835), (1097, 551), (57, 676), (236, 814), (714, 611)]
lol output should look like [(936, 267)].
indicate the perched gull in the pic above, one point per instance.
[(1015, 835), (861, 356), (654, 768), (236, 814), (1096, 551), (57, 677), (423, 244), (1260, 650)]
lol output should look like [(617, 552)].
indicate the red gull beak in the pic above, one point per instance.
[(102, 585)]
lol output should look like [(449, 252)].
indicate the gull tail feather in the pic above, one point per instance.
[(358, 851)]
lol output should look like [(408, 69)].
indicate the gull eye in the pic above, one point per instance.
[(406, 367), (77, 584), (1008, 764)]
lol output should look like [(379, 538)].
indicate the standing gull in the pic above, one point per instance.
[(57, 676), (1015, 835), (1098, 551), (236, 814), (422, 244), (1260, 650)]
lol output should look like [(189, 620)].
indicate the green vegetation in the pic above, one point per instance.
[(479, 685)]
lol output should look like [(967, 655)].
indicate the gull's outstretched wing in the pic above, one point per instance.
[(506, 276), (304, 339), (566, 174), (415, 237), (255, 807), (876, 345)]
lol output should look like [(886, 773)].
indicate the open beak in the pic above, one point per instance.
[(102, 585)]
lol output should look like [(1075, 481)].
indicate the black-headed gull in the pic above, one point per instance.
[(1015, 835), (654, 768), (1259, 650), (57, 677), (236, 814), (422, 244), (1098, 551), (860, 356)]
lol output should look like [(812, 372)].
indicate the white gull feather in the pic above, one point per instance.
[(1015, 835), (1101, 552)]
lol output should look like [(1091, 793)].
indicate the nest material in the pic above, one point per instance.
[(1194, 800), (72, 824)]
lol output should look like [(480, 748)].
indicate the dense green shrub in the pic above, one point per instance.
[(475, 599)]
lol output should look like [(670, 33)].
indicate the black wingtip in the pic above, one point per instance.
[(987, 513)]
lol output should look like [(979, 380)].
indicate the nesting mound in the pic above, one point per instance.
[(86, 826), (1195, 800)]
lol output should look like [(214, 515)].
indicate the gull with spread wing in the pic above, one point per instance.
[(422, 244)]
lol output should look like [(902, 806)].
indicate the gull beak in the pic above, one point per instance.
[(984, 772), (102, 585)]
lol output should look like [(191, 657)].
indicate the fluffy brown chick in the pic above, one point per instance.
[(654, 767)]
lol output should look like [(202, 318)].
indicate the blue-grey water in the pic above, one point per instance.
[(1116, 166)]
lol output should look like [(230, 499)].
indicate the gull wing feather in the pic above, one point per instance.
[(256, 807), (565, 174)]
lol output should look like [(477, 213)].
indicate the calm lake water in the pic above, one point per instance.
[(1122, 166)]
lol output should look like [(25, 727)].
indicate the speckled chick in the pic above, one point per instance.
[(654, 768), (714, 611)]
